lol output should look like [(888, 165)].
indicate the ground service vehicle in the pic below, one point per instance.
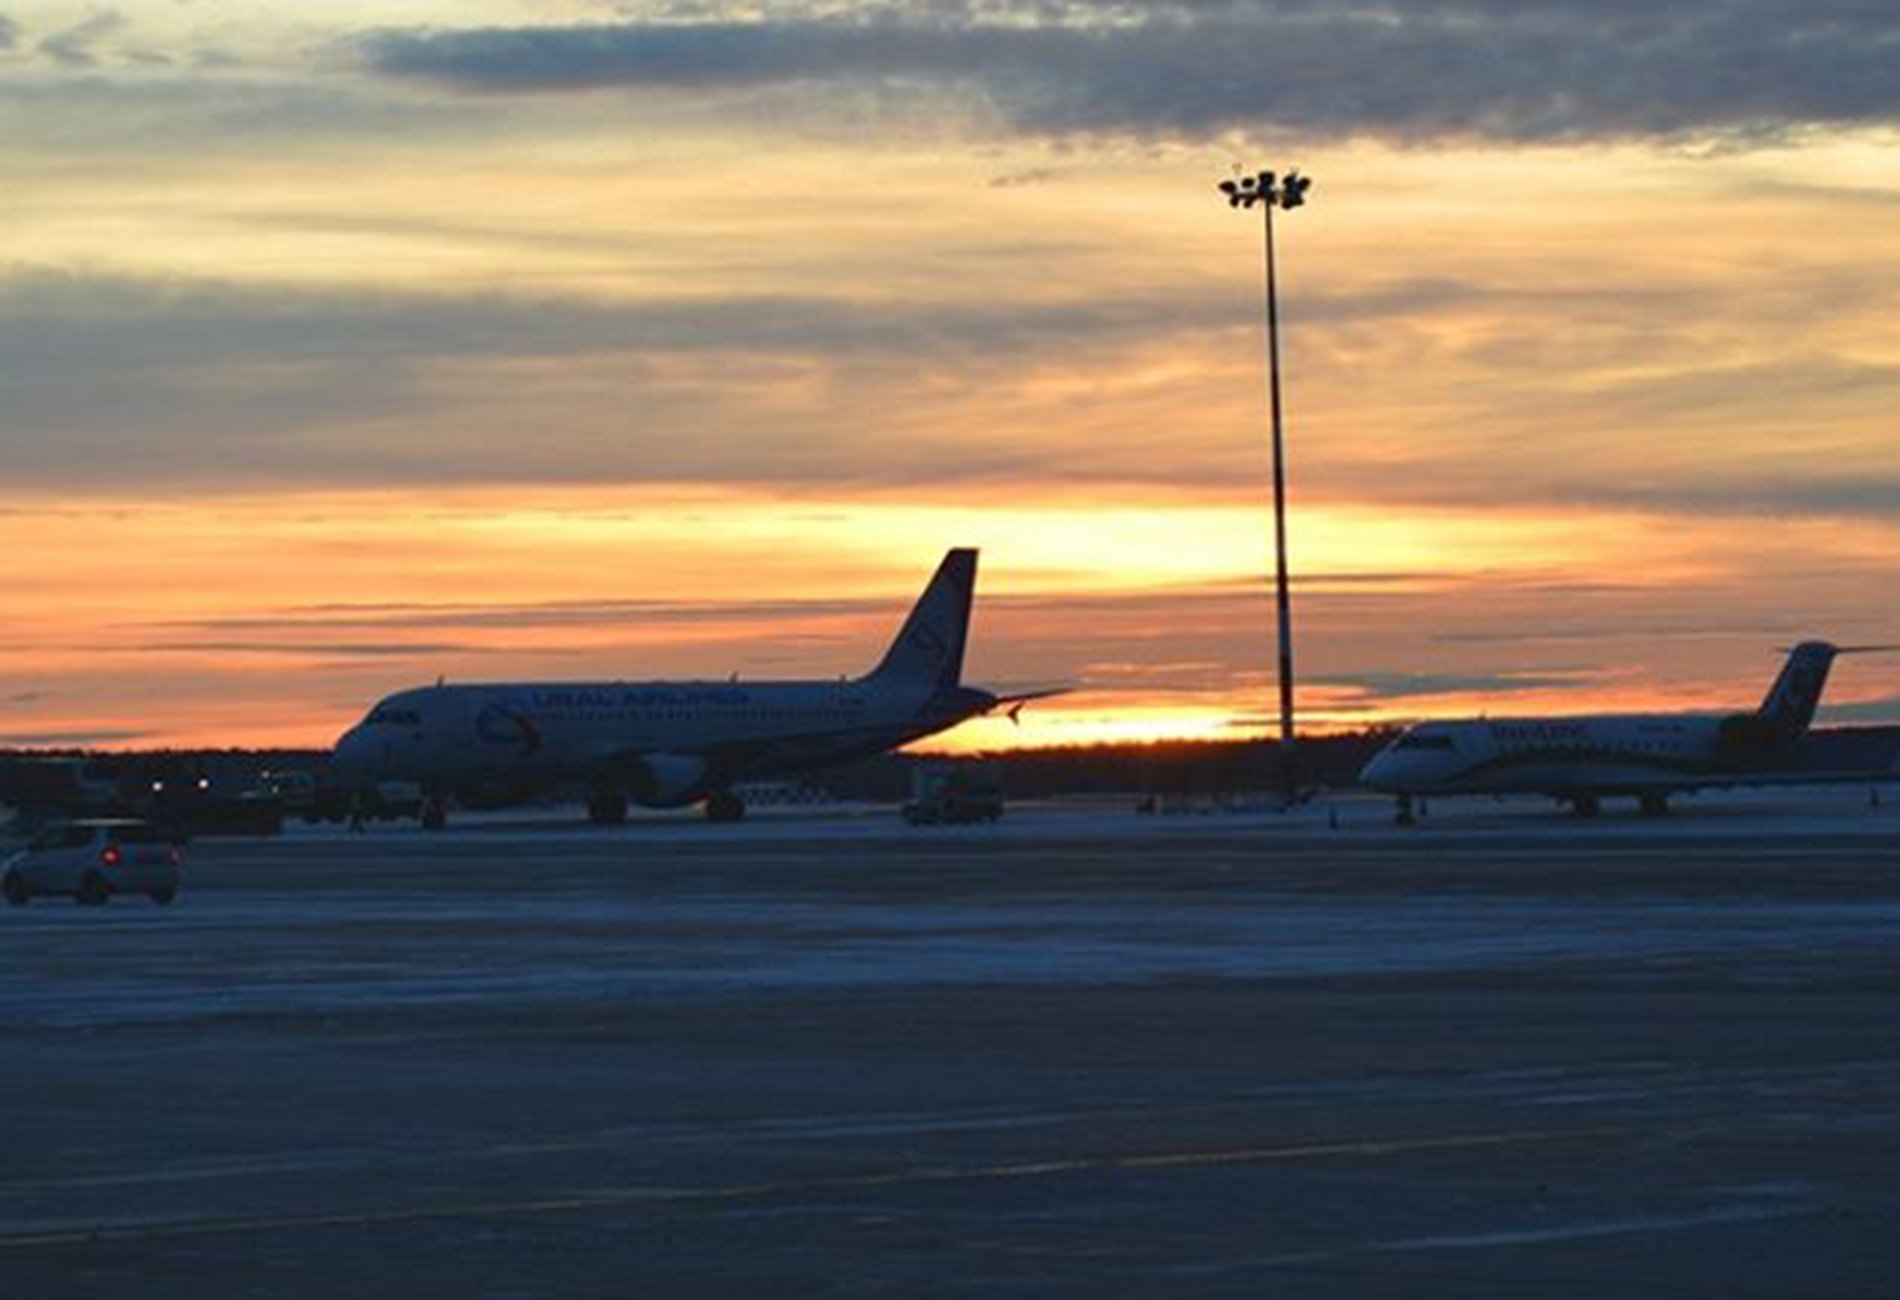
[(295, 792), (944, 794)]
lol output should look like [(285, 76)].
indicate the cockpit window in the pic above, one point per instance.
[(395, 718), (1423, 742)]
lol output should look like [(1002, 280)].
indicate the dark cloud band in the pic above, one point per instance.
[(112, 381), (1410, 69)]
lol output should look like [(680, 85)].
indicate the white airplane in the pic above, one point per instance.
[(671, 744), (1581, 760)]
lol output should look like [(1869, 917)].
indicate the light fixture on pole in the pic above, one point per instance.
[(1267, 192)]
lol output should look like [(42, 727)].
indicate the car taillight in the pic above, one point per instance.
[(110, 855)]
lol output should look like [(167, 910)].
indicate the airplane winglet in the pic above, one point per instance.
[(1015, 703)]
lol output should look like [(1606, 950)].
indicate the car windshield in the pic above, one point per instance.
[(141, 834), (62, 837)]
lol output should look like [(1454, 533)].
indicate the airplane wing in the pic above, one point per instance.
[(1845, 756), (671, 773), (1868, 776)]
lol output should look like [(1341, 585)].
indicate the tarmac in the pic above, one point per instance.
[(1078, 1053)]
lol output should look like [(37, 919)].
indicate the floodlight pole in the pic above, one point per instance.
[(1283, 598), (1289, 192)]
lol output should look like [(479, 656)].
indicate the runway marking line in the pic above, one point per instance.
[(611, 1197)]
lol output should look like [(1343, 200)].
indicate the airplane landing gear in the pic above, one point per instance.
[(1655, 805), (607, 808), (434, 816), (724, 806), (1405, 815), (1585, 805)]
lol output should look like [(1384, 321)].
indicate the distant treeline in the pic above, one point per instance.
[(1165, 767)]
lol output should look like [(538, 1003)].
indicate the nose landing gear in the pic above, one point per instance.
[(607, 808)]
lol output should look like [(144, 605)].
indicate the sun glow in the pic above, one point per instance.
[(276, 620)]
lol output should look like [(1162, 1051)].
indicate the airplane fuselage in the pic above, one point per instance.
[(1602, 754), (668, 743)]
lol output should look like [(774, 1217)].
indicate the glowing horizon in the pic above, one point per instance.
[(277, 620)]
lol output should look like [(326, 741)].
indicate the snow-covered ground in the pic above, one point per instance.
[(1829, 811), (1501, 1053), (546, 911)]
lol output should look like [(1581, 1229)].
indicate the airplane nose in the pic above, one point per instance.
[(350, 758)]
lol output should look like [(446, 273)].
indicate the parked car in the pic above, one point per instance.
[(91, 860)]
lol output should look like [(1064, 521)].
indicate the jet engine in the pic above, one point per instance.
[(667, 780), (1748, 737)]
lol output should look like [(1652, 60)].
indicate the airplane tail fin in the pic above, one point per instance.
[(1789, 707), (929, 647)]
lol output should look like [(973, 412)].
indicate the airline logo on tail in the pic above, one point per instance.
[(929, 641)]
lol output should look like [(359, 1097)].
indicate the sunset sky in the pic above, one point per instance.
[(344, 346)]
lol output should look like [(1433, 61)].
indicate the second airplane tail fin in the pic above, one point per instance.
[(929, 647), (1790, 704)]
